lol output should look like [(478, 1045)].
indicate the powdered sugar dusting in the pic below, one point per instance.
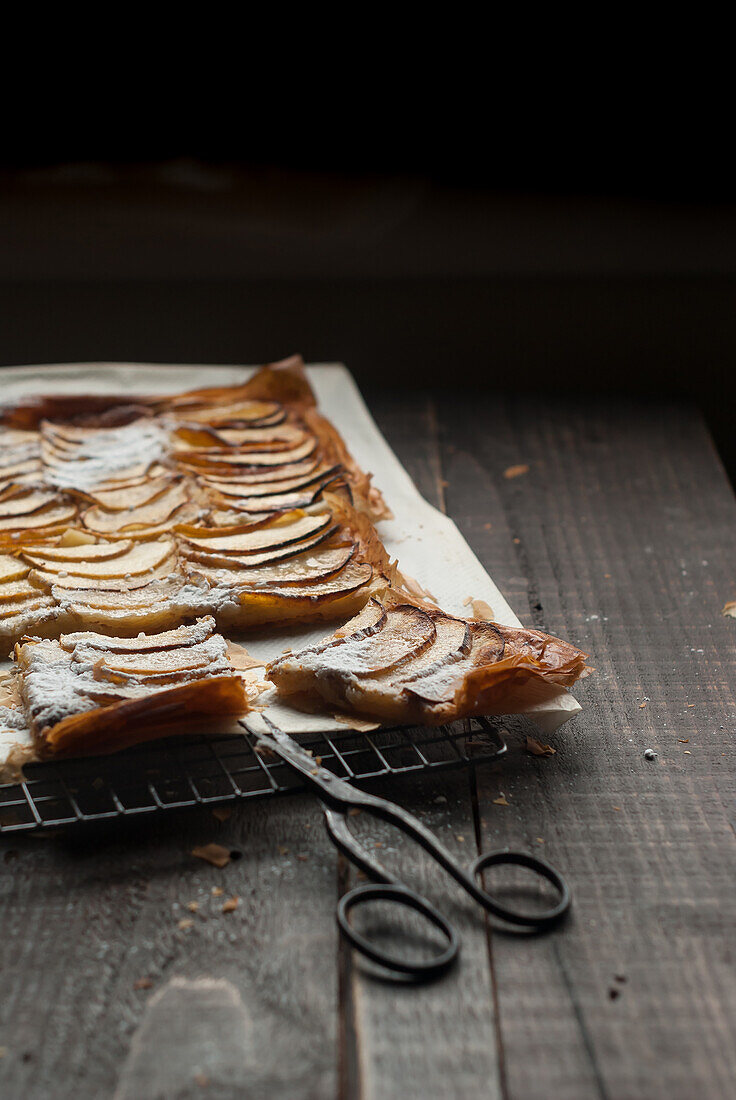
[(107, 452)]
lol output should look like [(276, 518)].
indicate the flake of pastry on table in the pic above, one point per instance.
[(94, 693)]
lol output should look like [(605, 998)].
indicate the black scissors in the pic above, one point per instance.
[(338, 798)]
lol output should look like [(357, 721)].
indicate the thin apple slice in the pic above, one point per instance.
[(276, 435), (250, 459), (183, 515), (207, 438), (244, 524), (181, 636), (356, 574), (140, 559), (233, 561), (19, 469), (405, 634), (370, 618), (132, 496), (272, 536), (156, 662), (11, 457), (225, 520), (302, 569), (154, 512), (17, 590), (11, 489), (50, 515), (61, 581), (11, 569), (106, 583), (259, 477), (256, 505), (437, 686), (14, 437), (22, 606), (26, 504), (87, 472), (199, 410), (451, 645), (339, 597), (271, 488), (157, 592), (116, 484), (97, 551)]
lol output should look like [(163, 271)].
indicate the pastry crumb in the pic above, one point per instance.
[(212, 853)]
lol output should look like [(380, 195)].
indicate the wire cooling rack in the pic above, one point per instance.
[(198, 771)]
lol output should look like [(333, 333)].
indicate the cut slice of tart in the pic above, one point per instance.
[(389, 665), (84, 694)]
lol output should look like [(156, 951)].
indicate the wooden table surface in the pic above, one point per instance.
[(620, 538)]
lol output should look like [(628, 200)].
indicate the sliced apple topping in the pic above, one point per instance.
[(301, 569), (222, 412), (272, 488), (11, 569), (156, 511), (339, 596), (181, 636), (273, 535), (235, 561), (139, 559), (25, 503), (11, 591), (124, 498), (48, 515), (225, 440), (13, 437), (11, 608), (242, 525), (282, 502), (103, 583), (159, 664), (248, 459), (84, 552), (242, 476), (98, 455), (402, 634)]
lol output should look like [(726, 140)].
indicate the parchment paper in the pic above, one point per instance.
[(427, 544)]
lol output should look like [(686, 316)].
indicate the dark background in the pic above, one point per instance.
[(439, 244)]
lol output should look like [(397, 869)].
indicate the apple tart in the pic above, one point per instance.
[(96, 693), (132, 530)]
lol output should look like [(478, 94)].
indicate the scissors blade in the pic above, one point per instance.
[(334, 790)]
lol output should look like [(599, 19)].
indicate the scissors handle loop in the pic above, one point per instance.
[(540, 919), (398, 895)]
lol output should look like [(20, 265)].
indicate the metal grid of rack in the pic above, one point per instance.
[(198, 771)]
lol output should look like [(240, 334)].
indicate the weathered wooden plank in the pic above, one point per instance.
[(625, 526), (84, 921), (438, 1040)]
